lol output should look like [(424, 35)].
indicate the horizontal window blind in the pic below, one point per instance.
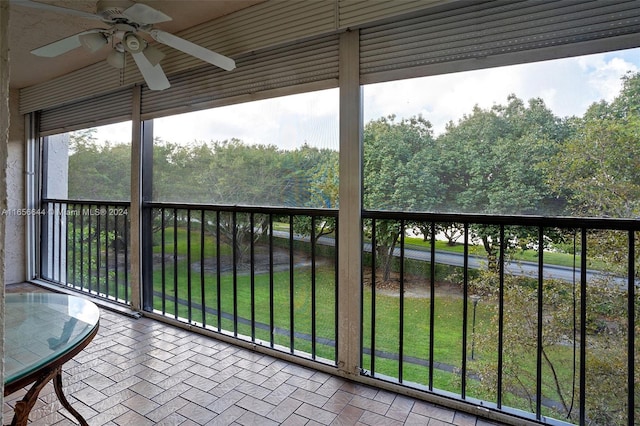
[(100, 110), (471, 35), (311, 61)]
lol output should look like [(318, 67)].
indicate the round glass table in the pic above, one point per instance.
[(42, 332)]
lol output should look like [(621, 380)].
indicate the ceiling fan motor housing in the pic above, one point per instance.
[(112, 10)]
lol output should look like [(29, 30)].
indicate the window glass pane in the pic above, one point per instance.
[(89, 164), (274, 152), (552, 138)]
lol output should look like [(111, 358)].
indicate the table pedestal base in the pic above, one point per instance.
[(24, 406)]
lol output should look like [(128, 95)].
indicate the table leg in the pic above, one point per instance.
[(57, 385), (24, 406)]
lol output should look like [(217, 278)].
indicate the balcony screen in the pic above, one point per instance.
[(546, 138), (274, 152), (89, 164)]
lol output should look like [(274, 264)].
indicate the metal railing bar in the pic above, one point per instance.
[(98, 250), (189, 272), (500, 319), (432, 298), (126, 258), (313, 288), (234, 242), (401, 306), (74, 248), (89, 246), (88, 203), (271, 283), (374, 267), (175, 260), (59, 218), (540, 310), (278, 211), (115, 257), (218, 271), (631, 309), (465, 310), (524, 220), (202, 266), (106, 255), (82, 251), (163, 262), (252, 278), (583, 327), (53, 242), (291, 288)]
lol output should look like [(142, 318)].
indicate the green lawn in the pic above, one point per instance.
[(551, 258)]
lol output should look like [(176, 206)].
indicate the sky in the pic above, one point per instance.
[(567, 86)]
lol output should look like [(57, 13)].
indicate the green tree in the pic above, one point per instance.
[(493, 162), (400, 173), (98, 171), (597, 169), (319, 170), (606, 364)]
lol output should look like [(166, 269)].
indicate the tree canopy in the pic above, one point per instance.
[(512, 158)]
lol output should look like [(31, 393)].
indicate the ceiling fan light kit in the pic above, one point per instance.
[(93, 41), (127, 20), (133, 44), (153, 55), (116, 59)]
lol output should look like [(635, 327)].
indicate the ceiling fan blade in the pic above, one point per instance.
[(53, 8), (193, 49), (153, 75), (62, 46), (144, 14)]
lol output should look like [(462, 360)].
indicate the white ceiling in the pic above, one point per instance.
[(31, 28)]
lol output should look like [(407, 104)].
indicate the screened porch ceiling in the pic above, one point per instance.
[(31, 28)]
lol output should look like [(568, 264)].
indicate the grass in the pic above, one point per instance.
[(528, 255)]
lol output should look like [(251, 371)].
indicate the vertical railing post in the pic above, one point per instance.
[(583, 327), (465, 308), (432, 299), (631, 311), (500, 320), (350, 213), (540, 323)]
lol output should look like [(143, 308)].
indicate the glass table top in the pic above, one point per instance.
[(41, 327)]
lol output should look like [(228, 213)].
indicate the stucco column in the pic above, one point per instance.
[(4, 141), (349, 216), (14, 239)]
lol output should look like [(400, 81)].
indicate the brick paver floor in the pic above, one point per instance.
[(140, 372)]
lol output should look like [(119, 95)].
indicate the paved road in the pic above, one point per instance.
[(477, 262), (514, 268)]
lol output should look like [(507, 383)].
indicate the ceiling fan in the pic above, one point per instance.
[(127, 22)]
